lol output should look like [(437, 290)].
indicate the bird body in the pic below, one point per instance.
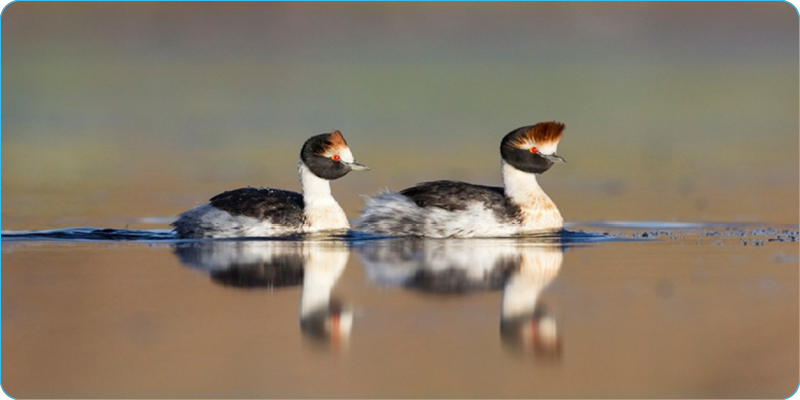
[(267, 212), (443, 209)]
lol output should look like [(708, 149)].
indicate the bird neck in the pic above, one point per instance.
[(538, 212), (520, 186), (321, 209)]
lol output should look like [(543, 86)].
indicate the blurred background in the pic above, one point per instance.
[(115, 113)]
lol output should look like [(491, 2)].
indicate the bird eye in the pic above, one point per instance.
[(534, 150), (336, 158)]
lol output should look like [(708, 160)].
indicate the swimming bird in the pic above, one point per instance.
[(252, 212), (443, 209)]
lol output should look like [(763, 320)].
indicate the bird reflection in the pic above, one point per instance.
[(317, 265), (459, 267)]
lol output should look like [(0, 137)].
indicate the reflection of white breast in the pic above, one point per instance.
[(323, 267), (538, 267)]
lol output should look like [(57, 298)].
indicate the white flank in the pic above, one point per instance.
[(217, 223), (475, 221)]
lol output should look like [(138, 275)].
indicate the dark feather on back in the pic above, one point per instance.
[(279, 206), (452, 196)]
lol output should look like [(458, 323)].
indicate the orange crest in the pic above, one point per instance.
[(337, 139), (545, 133)]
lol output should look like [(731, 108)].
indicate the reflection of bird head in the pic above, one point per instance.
[(331, 325), (322, 317), (535, 334)]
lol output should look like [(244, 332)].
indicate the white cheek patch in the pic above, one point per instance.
[(346, 155), (548, 148), (343, 152)]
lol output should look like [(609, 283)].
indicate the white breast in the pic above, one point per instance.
[(321, 217), (538, 212), (321, 210)]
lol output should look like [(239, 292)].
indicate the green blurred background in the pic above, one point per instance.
[(114, 112)]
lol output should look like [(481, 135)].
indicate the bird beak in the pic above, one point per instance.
[(354, 166), (553, 157)]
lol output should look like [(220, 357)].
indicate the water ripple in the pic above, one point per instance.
[(613, 231)]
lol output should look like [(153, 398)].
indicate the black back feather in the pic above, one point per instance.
[(452, 196), (279, 206)]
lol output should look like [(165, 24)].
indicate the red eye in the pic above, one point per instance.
[(534, 150), (336, 158)]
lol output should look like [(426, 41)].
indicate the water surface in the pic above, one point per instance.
[(695, 311)]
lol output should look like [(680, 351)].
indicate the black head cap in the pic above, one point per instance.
[(522, 147)]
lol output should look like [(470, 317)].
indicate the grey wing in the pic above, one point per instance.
[(451, 195), (279, 206)]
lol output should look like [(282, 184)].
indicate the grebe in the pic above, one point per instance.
[(444, 209), (251, 212)]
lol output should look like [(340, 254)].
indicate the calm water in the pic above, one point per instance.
[(685, 311)]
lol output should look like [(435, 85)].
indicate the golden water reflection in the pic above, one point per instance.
[(451, 318), (316, 266), (444, 268), (521, 269)]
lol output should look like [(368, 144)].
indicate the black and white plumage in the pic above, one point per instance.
[(251, 212), (457, 209), (457, 196), (283, 207)]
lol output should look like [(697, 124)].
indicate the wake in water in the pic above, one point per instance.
[(89, 234), (614, 231), (84, 234)]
